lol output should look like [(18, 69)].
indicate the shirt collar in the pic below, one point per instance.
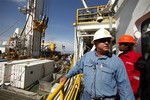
[(105, 56)]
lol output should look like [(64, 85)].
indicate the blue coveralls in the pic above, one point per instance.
[(102, 76)]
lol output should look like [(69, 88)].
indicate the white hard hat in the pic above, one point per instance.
[(101, 33)]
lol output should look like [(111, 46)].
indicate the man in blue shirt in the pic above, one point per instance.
[(104, 74)]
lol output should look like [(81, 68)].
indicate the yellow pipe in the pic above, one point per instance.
[(55, 92)]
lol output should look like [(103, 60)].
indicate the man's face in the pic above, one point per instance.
[(123, 46), (103, 45)]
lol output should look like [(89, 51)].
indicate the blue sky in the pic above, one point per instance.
[(61, 15)]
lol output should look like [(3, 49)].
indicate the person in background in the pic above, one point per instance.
[(134, 62), (104, 73), (145, 82)]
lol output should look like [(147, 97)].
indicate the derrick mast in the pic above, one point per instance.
[(36, 23), (26, 42), (33, 28)]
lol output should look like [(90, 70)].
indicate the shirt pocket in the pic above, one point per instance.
[(88, 69), (107, 74)]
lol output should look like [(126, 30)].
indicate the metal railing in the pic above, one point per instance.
[(71, 94), (90, 15)]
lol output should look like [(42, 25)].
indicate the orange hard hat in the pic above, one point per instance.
[(126, 39)]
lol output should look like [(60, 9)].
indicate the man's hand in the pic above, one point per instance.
[(63, 79)]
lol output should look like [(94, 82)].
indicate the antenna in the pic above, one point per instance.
[(85, 5)]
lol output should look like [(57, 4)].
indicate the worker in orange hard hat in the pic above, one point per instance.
[(133, 62)]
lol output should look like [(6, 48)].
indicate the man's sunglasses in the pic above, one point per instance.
[(104, 40)]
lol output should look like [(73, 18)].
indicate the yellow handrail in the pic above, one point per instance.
[(76, 84), (55, 92), (79, 83), (75, 88)]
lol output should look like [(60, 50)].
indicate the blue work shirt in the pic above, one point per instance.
[(103, 76)]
